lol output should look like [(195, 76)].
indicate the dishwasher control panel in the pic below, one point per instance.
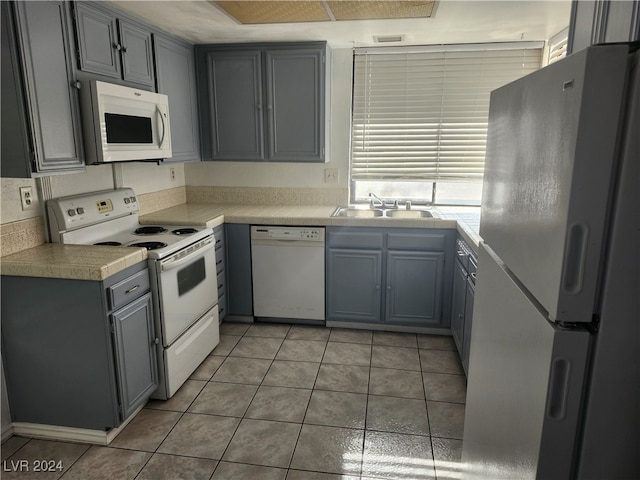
[(306, 234)]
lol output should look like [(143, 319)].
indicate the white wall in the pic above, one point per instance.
[(263, 174)]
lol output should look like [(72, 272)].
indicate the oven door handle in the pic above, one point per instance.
[(198, 253)]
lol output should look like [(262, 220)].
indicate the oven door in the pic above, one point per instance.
[(187, 287)]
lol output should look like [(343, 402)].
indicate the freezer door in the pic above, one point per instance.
[(524, 387), (551, 146)]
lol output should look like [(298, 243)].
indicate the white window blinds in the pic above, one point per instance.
[(421, 114)]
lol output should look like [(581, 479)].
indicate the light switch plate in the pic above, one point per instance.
[(331, 175)]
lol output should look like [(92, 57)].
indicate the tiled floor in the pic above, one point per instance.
[(287, 402)]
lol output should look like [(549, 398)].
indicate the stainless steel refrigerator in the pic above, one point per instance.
[(554, 372)]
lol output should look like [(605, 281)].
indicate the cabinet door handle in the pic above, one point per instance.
[(124, 49), (132, 289), (156, 341), (117, 46), (473, 275), (77, 85)]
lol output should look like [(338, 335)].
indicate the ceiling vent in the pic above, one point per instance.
[(388, 38)]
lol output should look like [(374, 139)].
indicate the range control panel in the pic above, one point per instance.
[(69, 213)]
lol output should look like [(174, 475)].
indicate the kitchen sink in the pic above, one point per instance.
[(377, 212), (357, 212), (408, 214)]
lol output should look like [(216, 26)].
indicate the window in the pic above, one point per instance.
[(420, 118), (558, 46)]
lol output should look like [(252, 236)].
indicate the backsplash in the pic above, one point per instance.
[(268, 195), (154, 201), (20, 235)]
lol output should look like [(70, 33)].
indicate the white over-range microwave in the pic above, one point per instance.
[(123, 124)]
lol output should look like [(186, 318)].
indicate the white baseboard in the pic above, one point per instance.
[(70, 434)]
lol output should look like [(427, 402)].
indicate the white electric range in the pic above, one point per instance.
[(182, 267)]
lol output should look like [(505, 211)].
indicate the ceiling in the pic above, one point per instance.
[(452, 21)]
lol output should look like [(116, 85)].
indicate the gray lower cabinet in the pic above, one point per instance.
[(41, 130), (176, 77), (221, 271), (239, 287), (113, 46), (262, 102), (388, 276), (84, 353), (462, 299)]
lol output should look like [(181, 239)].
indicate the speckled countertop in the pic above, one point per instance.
[(80, 262), (212, 215)]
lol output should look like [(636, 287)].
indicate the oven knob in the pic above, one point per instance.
[(80, 210), (133, 199), (71, 212), (126, 200)]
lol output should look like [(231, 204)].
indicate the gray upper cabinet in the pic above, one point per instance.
[(113, 46), (262, 102), (603, 21), (41, 132), (295, 104), (175, 77), (231, 116)]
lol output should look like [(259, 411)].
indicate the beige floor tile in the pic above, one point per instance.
[(282, 404), (309, 332), (242, 370), (447, 454), (441, 361), (343, 378), (268, 330), (395, 339), (329, 450), (232, 328), (395, 357), (396, 383), (203, 436), (177, 468), (350, 335), (257, 347), (263, 442), (436, 342), (226, 344), (239, 471), (12, 445), (337, 409), (397, 415), (292, 374), (396, 456), (304, 475), (182, 399), (347, 353), (208, 367), (226, 399), (147, 430), (443, 387), (301, 350), (64, 454), (446, 419), (104, 463)]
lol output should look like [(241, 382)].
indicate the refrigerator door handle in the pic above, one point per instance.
[(559, 388), (575, 258)]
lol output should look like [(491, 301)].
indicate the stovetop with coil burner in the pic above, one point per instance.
[(111, 218)]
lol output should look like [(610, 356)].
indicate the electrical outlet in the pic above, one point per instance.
[(172, 174), (26, 198), (331, 175)]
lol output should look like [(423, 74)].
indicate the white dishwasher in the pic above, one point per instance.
[(288, 273)]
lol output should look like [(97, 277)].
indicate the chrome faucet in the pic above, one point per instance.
[(373, 196), (383, 204)]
